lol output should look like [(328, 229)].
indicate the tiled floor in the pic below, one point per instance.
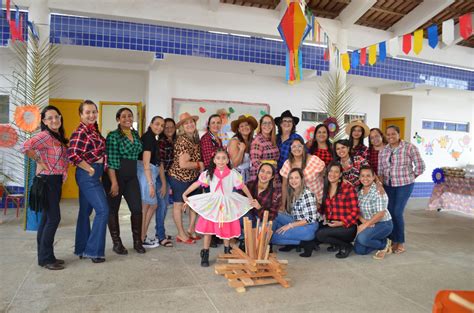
[(440, 255)]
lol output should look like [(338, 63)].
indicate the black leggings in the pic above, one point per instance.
[(129, 188), (338, 236)]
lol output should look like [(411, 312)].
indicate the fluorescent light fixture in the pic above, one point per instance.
[(216, 32), (240, 35), (314, 44), (273, 39), (64, 14)]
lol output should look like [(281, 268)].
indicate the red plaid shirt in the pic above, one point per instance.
[(269, 199), (209, 146), (351, 173), (400, 166), (324, 155), (51, 152), (343, 206), (86, 144), (374, 159), (360, 150), (262, 149)]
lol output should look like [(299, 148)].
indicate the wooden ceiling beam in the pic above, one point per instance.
[(370, 23), (382, 10)]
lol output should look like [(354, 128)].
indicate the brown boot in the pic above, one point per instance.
[(136, 220), (114, 228)]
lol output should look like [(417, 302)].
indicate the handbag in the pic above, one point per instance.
[(38, 198)]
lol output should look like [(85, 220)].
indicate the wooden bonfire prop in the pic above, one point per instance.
[(256, 266)]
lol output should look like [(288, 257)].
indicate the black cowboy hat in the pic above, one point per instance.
[(287, 113)]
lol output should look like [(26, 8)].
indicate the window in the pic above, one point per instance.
[(313, 116), (444, 125), (4, 112), (354, 116)]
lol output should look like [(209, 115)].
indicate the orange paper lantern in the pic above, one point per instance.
[(27, 117), (8, 136)]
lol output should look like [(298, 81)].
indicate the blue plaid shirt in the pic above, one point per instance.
[(285, 148)]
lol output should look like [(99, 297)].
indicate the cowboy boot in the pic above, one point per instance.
[(114, 228), (227, 250), (136, 221), (308, 247), (205, 257)]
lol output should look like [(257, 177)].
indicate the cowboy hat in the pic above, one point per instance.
[(249, 119), (183, 117), (357, 123), (287, 113)]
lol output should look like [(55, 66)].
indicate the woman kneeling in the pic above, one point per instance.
[(298, 224), (376, 222)]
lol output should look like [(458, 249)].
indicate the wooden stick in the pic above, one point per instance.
[(264, 231), (246, 234)]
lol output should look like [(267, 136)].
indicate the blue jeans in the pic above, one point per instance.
[(373, 238), (50, 218), (91, 242), (397, 200), (292, 236), (162, 209)]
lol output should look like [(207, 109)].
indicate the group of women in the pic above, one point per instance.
[(315, 192)]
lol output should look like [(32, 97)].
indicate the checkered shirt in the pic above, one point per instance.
[(86, 144), (401, 165), (313, 177), (374, 159), (324, 155), (372, 203), (351, 173), (285, 148), (51, 152), (269, 200), (304, 208), (360, 150), (343, 206), (261, 149), (119, 147), (209, 146)]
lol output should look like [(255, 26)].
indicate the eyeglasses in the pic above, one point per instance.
[(298, 147), (53, 118), (287, 121), (266, 123)]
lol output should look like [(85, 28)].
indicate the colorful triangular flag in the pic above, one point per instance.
[(433, 35), (372, 54), (393, 47), (363, 56), (406, 47), (355, 59), (465, 25), (448, 32), (382, 51), (418, 41), (345, 62)]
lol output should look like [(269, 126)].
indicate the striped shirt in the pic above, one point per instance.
[(372, 203), (401, 165)]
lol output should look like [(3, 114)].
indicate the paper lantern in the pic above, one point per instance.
[(8, 136), (27, 117)]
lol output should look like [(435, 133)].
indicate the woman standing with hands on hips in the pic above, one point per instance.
[(48, 149), (87, 151), (123, 147), (400, 163)]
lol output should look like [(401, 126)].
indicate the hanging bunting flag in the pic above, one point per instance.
[(433, 35), (363, 56), (372, 54), (465, 25), (20, 29), (17, 17), (355, 59), (406, 47), (8, 11), (293, 29), (448, 32), (382, 51), (345, 62), (393, 47), (418, 41), (32, 27)]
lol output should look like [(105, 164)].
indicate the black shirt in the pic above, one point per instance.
[(150, 143)]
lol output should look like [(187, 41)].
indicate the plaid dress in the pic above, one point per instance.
[(262, 149)]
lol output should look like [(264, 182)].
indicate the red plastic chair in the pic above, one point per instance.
[(15, 198)]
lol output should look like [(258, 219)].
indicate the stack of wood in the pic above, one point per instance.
[(256, 266)]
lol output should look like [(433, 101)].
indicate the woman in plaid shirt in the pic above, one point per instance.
[(357, 131), (210, 141), (341, 212), (376, 222), (48, 149), (400, 163), (298, 225), (320, 145), (377, 142), (350, 164)]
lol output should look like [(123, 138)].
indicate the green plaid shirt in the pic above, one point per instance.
[(372, 203), (118, 147)]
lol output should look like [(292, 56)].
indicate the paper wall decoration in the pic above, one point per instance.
[(455, 154), (418, 41), (308, 134), (332, 125), (433, 36), (27, 117), (448, 32), (438, 176), (465, 25), (293, 29), (8, 136), (372, 54), (406, 45)]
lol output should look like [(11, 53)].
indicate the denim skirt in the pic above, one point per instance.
[(144, 186)]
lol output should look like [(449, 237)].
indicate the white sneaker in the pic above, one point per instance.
[(150, 243)]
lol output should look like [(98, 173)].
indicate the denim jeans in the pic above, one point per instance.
[(50, 218), (373, 238), (397, 200), (292, 236), (91, 242), (162, 209)]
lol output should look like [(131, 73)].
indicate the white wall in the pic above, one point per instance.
[(397, 106), (445, 107), (173, 81)]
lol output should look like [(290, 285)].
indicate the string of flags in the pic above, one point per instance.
[(16, 24)]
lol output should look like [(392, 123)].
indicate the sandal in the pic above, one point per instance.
[(380, 255), (194, 237), (166, 243), (399, 250), (189, 241)]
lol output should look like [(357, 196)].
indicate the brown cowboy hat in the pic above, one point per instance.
[(249, 119), (357, 123), (183, 117), (287, 113)]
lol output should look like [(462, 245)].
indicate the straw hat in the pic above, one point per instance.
[(357, 123), (183, 117), (249, 119)]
